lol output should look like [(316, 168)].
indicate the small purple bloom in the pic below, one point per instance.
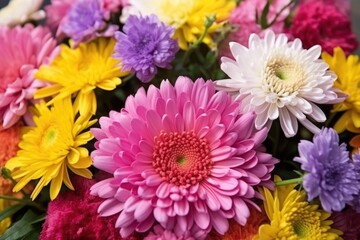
[(85, 21), (145, 45), (330, 173), (355, 203)]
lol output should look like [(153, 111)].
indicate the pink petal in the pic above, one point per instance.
[(110, 207), (202, 219), (143, 210)]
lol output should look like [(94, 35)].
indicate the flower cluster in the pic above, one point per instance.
[(179, 120)]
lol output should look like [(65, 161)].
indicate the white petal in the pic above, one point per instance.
[(261, 120), (273, 111), (287, 123), (310, 126), (317, 114)]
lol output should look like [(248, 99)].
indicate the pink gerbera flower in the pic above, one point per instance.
[(180, 155), (23, 50), (159, 233)]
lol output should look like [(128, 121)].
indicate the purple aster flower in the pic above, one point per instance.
[(85, 21), (330, 174), (145, 45), (355, 203)]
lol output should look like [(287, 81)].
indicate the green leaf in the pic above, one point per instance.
[(39, 219), (210, 59), (21, 228), (33, 235), (10, 211), (263, 18)]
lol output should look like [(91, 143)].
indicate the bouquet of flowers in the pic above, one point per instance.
[(182, 119)]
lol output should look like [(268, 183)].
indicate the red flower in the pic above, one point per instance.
[(319, 23), (73, 215)]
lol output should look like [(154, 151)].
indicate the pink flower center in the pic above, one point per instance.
[(182, 158)]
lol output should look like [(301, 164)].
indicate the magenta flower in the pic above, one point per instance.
[(160, 233), (182, 156), (23, 50), (321, 23), (72, 215)]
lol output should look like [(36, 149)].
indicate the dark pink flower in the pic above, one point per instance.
[(342, 5), (73, 215), (347, 221), (159, 233), (319, 23), (182, 156)]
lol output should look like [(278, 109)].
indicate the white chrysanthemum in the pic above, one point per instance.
[(279, 79)]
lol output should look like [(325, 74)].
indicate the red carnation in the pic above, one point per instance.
[(318, 23), (73, 215)]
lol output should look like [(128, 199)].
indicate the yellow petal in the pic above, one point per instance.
[(73, 156), (56, 183), (83, 163), (342, 123), (81, 172), (355, 118), (47, 91)]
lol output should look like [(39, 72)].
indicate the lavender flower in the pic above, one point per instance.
[(355, 203), (145, 45), (85, 21), (330, 173)]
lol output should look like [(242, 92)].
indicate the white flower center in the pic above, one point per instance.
[(284, 75)]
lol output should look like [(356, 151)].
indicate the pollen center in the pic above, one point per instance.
[(303, 222), (50, 136), (181, 158), (284, 75)]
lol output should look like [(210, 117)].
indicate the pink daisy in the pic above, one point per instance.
[(182, 156), (23, 50)]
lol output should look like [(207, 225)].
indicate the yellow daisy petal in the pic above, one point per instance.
[(81, 70), (296, 219), (348, 71), (188, 17), (51, 147)]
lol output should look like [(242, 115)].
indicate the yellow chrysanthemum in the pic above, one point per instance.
[(292, 217), (348, 72), (79, 71), (187, 16), (52, 147), (4, 224)]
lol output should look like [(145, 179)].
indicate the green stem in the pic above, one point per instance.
[(289, 181), (10, 198), (208, 23), (24, 201), (128, 77), (278, 14), (330, 119), (35, 205)]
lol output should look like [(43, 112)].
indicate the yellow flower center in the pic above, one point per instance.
[(284, 75), (300, 228), (49, 136), (302, 221)]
